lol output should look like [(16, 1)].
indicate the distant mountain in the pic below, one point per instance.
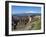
[(27, 14)]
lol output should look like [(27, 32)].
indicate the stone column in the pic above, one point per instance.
[(29, 18)]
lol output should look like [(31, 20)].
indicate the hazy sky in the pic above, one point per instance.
[(25, 9)]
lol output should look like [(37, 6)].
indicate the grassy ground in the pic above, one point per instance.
[(36, 24)]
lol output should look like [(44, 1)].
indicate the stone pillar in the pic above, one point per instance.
[(29, 18)]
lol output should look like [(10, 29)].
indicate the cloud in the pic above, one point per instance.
[(32, 12)]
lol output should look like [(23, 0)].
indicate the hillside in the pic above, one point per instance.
[(35, 24)]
